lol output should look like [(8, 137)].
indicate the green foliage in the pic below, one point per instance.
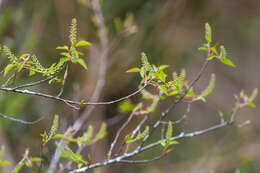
[(140, 135), (223, 57), (126, 106), (2, 161), (102, 132), (86, 137), (208, 33), (67, 153), (212, 52), (167, 142), (245, 100), (209, 89), (47, 137), (26, 161), (31, 63)]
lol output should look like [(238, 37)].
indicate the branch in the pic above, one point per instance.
[(122, 158), (66, 101), (19, 120)]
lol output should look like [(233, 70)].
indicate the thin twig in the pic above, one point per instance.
[(22, 160), (34, 83), (119, 132), (149, 146), (21, 121), (28, 92)]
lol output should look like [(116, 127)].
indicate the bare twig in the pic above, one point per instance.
[(119, 132), (34, 83), (21, 121)]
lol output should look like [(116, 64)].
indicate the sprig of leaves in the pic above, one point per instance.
[(46, 137), (129, 139), (212, 51), (167, 141)]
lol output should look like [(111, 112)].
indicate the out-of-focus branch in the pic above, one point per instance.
[(100, 83), (19, 120), (122, 158)]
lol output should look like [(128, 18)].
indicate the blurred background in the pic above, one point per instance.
[(170, 32)]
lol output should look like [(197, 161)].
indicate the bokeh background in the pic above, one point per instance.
[(170, 32)]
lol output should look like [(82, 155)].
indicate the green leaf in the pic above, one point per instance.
[(162, 76), (18, 168), (190, 94), (65, 54), (86, 137), (163, 89), (162, 67), (174, 142), (24, 55), (169, 131), (163, 143), (223, 53), (58, 136), (253, 95), (223, 57), (214, 50), (102, 132), (62, 61), (210, 57), (8, 68), (210, 87), (252, 105), (54, 127), (208, 33), (203, 48), (31, 73), (142, 72), (83, 43), (133, 70), (35, 159), (126, 106), (139, 136), (82, 63), (62, 48), (3, 163), (227, 62)]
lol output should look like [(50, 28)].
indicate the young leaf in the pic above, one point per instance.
[(133, 70), (145, 62), (62, 48), (208, 33), (227, 62), (54, 127), (223, 57), (210, 87), (163, 89), (139, 136), (102, 132), (253, 95), (8, 68), (82, 63), (83, 43), (169, 131), (126, 106), (86, 137)]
